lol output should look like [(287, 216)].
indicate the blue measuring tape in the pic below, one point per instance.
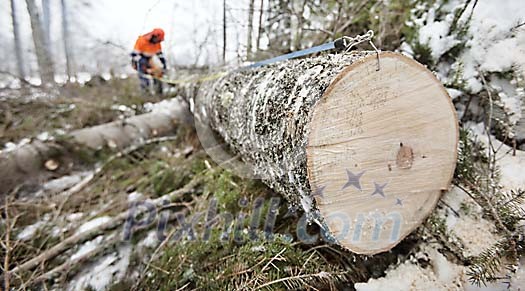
[(343, 44), (292, 55)]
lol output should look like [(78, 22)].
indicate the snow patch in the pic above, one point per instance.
[(512, 168), (103, 272), (93, 224), (122, 108), (44, 136), (135, 196), (62, 183), (87, 247), (493, 45), (150, 241), (74, 216), (435, 35), (168, 106), (512, 171), (82, 77), (10, 146), (441, 275), (475, 233), (454, 93), (29, 231)]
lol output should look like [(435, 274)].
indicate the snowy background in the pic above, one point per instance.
[(104, 32), (488, 56)]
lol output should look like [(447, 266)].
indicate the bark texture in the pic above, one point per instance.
[(312, 128), (46, 21), (250, 29), (66, 36), (45, 63), (20, 63), (262, 114)]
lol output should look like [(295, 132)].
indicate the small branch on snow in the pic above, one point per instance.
[(87, 180), (518, 26), (87, 235), (69, 264), (7, 245)]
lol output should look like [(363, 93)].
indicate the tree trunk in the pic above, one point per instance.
[(250, 30), (38, 160), (46, 21), (45, 63), (20, 63), (297, 25), (66, 36), (365, 153), (224, 32), (260, 28)]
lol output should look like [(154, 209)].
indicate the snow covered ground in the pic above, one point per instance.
[(104, 271), (494, 45)]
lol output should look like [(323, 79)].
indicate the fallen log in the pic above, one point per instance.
[(36, 160), (365, 152)]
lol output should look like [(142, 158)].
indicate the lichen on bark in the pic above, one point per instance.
[(263, 116)]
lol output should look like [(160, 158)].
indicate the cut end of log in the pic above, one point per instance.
[(382, 145), (51, 165)]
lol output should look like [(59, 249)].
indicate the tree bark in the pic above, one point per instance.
[(224, 32), (20, 63), (66, 36), (45, 63), (250, 29), (38, 160), (260, 28), (365, 153), (46, 21)]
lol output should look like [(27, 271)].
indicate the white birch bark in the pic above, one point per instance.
[(45, 63)]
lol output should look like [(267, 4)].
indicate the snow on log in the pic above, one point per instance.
[(32, 161), (365, 152)]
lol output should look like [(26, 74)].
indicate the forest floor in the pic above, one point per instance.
[(31, 112), (164, 194), (140, 219)]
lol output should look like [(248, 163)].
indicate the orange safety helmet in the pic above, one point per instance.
[(159, 33)]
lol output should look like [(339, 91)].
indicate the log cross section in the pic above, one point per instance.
[(366, 153)]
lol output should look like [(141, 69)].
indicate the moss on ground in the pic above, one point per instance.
[(226, 265)]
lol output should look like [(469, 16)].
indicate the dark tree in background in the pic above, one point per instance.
[(250, 29), (20, 63), (45, 63), (46, 22), (66, 37)]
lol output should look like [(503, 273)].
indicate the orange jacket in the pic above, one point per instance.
[(145, 47)]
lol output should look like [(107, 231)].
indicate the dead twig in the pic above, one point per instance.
[(97, 172), (116, 221), (518, 26), (7, 245), (69, 264)]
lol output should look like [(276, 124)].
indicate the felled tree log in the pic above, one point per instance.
[(365, 152), (36, 160)]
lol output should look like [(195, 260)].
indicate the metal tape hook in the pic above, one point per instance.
[(350, 42)]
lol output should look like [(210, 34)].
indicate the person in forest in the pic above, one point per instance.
[(146, 47)]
